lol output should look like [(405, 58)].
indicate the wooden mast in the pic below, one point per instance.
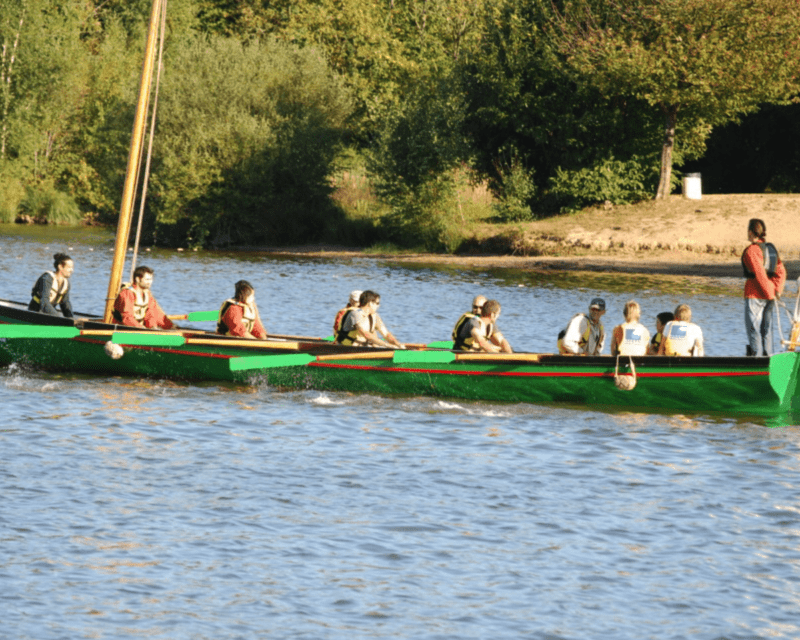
[(134, 155)]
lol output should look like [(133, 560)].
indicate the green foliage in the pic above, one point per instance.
[(46, 204), (245, 143), (709, 60), (517, 190), (417, 161), (11, 194), (611, 180)]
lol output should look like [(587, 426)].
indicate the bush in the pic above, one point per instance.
[(246, 143), (516, 191), (616, 181), (47, 205), (11, 194)]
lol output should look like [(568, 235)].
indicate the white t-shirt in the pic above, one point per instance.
[(683, 339)]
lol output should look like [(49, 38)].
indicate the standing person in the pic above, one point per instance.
[(584, 335), (361, 326), (135, 306), (766, 277), (631, 338), (238, 316), (479, 332), (352, 303), (682, 337), (661, 321), (52, 288)]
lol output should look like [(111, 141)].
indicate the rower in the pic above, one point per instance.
[(479, 332), (52, 288), (661, 321), (352, 303), (584, 335), (361, 326), (477, 306), (238, 316), (630, 338), (136, 306), (682, 337)]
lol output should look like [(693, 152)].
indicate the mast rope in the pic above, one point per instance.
[(145, 180)]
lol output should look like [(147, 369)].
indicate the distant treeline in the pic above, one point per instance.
[(292, 121)]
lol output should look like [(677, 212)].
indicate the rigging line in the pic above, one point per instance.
[(146, 178)]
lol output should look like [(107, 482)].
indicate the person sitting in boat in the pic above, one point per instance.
[(682, 337), (361, 326), (477, 307), (631, 338), (661, 321), (479, 332), (238, 316), (766, 277), (135, 306), (584, 335), (352, 303), (52, 288)]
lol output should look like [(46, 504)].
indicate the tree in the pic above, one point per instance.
[(711, 61)]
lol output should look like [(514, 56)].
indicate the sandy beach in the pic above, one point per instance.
[(679, 236)]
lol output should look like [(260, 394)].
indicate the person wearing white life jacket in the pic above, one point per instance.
[(584, 335), (631, 338), (52, 288), (682, 337)]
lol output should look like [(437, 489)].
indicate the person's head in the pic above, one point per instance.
[(683, 313), (370, 301), (143, 277), (477, 304), (756, 229), (244, 291), (662, 319), (355, 296), (597, 307), (632, 311), (491, 309), (63, 264)]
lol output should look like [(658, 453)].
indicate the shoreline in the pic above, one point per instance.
[(671, 263)]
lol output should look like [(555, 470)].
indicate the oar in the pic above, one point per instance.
[(244, 363), (244, 342), (501, 357), (139, 338), (197, 316), (37, 331), (362, 355)]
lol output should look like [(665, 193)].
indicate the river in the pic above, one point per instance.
[(135, 508)]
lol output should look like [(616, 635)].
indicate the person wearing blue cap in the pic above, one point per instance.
[(584, 335)]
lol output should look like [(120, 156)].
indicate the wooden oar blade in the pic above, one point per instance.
[(245, 363), (421, 357), (37, 331), (147, 339)]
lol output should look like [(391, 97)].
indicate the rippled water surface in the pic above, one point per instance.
[(135, 508)]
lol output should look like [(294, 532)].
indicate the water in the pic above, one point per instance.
[(135, 508)]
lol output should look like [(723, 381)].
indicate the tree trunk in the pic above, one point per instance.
[(664, 183)]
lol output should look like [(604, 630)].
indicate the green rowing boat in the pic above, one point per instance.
[(735, 385)]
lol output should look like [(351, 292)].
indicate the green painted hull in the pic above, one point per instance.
[(759, 386)]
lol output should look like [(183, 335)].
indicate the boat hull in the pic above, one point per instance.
[(762, 386)]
